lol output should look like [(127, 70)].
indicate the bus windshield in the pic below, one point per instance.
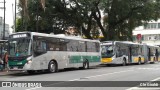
[(107, 51), (19, 47)]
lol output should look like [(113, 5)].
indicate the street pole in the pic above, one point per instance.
[(37, 16), (4, 20), (15, 17)]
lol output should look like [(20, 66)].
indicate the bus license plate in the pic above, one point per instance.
[(15, 67)]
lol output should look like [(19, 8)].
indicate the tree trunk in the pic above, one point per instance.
[(98, 20), (86, 33)]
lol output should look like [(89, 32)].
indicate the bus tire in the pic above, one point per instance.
[(30, 71), (124, 62), (139, 61), (52, 66), (86, 65)]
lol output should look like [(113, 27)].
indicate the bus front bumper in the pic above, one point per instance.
[(106, 61)]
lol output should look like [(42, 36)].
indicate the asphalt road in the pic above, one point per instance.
[(126, 75)]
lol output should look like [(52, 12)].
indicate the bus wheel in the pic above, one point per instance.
[(30, 71), (86, 65), (124, 62), (52, 67)]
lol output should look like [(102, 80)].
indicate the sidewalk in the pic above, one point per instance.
[(4, 72)]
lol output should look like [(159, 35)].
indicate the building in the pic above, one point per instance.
[(149, 33), (6, 29)]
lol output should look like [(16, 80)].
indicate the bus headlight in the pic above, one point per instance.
[(29, 60)]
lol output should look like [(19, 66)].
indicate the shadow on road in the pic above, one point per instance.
[(24, 73), (40, 72), (117, 65)]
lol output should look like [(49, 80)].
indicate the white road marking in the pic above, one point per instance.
[(74, 79), (149, 68), (136, 88), (33, 88), (139, 88), (101, 75), (156, 79), (108, 74), (89, 77), (132, 88)]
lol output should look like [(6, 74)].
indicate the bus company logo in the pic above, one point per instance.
[(6, 84)]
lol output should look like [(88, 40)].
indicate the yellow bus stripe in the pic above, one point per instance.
[(106, 60)]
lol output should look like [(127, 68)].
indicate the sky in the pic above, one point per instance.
[(9, 12)]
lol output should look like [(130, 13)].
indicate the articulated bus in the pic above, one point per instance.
[(122, 52), (151, 53), (31, 51), (157, 54)]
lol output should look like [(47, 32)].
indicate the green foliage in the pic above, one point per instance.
[(18, 25), (122, 16), (119, 17)]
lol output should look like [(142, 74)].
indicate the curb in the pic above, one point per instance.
[(4, 73)]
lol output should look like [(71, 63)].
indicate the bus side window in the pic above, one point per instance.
[(44, 46), (40, 47), (97, 47)]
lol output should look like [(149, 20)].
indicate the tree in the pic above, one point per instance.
[(124, 15), (115, 18), (25, 15)]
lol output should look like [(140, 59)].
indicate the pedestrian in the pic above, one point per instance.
[(6, 61), (1, 64)]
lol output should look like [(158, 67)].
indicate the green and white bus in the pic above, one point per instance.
[(33, 51), (122, 52)]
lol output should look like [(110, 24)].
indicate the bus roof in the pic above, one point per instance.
[(57, 36)]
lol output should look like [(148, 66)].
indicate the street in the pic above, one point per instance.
[(144, 72), (65, 44)]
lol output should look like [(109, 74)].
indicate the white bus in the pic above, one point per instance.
[(121, 52), (151, 53), (157, 53), (33, 51)]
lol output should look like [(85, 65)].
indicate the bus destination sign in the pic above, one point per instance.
[(19, 36)]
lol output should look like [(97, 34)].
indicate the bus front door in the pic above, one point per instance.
[(149, 54)]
